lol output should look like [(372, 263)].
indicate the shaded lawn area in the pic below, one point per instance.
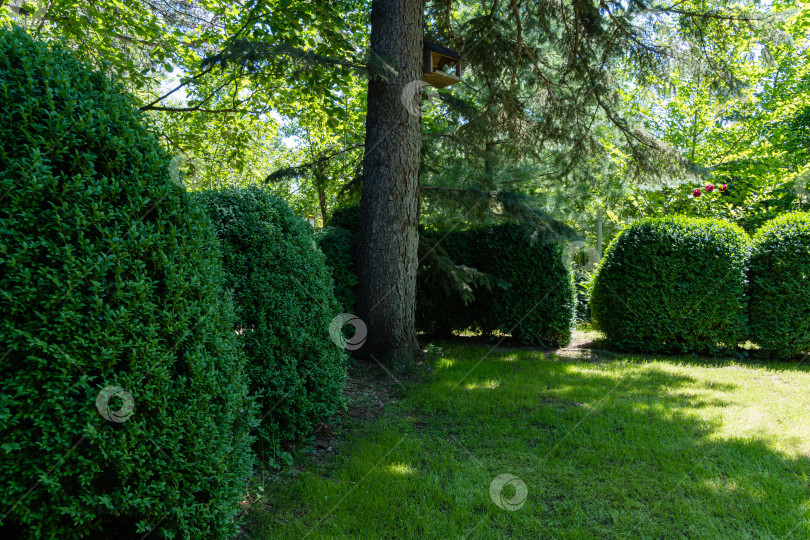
[(616, 446)]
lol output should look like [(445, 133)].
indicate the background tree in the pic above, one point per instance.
[(157, 49), (325, 153), (754, 140)]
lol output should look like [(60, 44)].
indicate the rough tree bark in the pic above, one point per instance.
[(388, 234)]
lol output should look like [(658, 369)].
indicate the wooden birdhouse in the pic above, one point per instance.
[(442, 65)]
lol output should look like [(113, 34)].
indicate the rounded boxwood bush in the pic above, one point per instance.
[(338, 242), (674, 284), (345, 217), (284, 305), (529, 293), (339, 245), (779, 308), (110, 278)]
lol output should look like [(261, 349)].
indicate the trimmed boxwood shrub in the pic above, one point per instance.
[(779, 308), (500, 277), (530, 293), (338, 242), (443, 290), (284, 304), (345, 217), (109, 277), (674, 284), (339, 245)]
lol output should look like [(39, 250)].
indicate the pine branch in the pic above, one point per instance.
[(300, 170)]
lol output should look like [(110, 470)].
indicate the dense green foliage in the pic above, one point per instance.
[(284, 304), (583, 281), (140, 44), (756, 140), (441, 283), (493, 278), (302, 62), (339, 246), (446, 289), (110, 277), (674, 284), (533, 295), (338, 241), (779, 275), (346, 217)]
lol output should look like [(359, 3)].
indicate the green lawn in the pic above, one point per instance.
[(608, 447)]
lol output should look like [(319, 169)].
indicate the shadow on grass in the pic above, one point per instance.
[(602, 350), (634, 456), (612, 450)]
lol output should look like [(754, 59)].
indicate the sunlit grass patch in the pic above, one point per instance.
[(623, 447), (489, 384), (400, 468)]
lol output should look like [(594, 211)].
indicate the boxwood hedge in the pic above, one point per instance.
[(674, 284), (345, 217), (339, 246), (284, 304), (531, 293), (500, 277), (338, 242), (779, 308), (110, 278)]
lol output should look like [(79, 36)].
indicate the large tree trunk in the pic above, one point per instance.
[(388, 234)]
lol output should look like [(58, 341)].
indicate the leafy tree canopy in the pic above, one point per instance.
[(563, 107)]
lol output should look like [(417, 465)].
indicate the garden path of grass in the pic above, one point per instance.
[(615, 446)]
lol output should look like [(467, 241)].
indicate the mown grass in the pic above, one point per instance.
[(616, 447)]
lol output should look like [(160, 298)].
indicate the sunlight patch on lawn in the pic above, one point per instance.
[(445, 363), (483, 385), (400, 468), (733, 486)]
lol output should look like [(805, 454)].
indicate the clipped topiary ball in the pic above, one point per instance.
[(674, 284), (123, 397), (779, 308), (284, 305)]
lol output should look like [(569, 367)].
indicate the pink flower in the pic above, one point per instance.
[(696, 193), (723, 187), (710, 188)]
